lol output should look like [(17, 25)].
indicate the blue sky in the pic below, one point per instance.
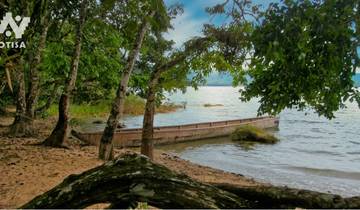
[(189, 24)]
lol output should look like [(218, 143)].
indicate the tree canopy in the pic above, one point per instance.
[(304, 55), (298, 54)]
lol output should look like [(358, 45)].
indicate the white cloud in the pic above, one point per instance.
[(190, 23), (185, 27)]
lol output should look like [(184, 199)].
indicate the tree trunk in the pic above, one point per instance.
[(59, 134), (2, 86), (147, 138), (132, 178), (34, 69), (147, 142), (20, 126), (106, 147)]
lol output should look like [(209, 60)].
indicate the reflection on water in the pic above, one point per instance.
[(313, 152), (181, 147)]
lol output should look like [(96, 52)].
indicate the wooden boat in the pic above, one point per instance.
[(180, 133)]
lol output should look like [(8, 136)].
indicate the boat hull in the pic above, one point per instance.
[(181, 133)]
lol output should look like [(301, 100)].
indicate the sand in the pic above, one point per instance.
[(28, 170)]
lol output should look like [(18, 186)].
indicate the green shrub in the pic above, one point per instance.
[(253, 134)]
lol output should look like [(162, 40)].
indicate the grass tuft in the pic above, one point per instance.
[(134, 105), (253, 134)]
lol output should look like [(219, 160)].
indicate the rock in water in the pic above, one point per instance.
[(253, 134)]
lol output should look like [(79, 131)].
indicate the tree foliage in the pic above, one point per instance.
[(305, 53), (301, 53)]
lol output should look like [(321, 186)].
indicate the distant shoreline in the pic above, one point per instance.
[(225, 79)]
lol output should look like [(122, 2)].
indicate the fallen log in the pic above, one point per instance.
[(130, 179), (284, 197), (133, 178)]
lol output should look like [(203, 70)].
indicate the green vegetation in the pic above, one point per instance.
[(134, 105), (142, 205), (253, 134), (212, 105), (297, 54), (305, 54), (90, 55)]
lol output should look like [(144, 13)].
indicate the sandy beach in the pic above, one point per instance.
[(28, 170)]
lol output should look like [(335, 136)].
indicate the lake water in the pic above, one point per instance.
[(314, 153)]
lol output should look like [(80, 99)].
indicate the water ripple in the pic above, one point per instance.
[(329, 172)]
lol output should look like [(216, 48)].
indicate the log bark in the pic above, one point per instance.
[(130, 179), (284, 197), (106, 147), (61, 130), (133, 178)]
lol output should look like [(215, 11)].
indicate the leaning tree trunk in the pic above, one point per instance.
[(60, 132), (147, 138), (106, 147), (34, 70), (132, 178), (20, 126), (147, 142)]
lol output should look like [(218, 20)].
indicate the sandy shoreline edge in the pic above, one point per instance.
[(28, 170)]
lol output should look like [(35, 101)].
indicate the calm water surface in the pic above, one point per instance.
[(314, 153)]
